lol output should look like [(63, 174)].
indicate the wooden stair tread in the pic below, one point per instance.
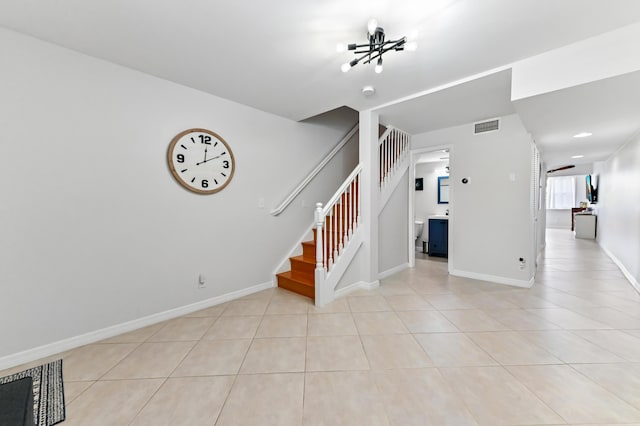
[(297, 285)]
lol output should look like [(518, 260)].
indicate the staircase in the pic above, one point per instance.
[(301, 278), (337, 234), (337, 228)]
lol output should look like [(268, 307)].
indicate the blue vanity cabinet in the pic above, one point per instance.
[(439, 237)]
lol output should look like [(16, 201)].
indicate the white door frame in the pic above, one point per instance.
[(414, 155)]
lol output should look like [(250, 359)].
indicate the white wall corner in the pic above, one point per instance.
[(360, 285), (394, 270)]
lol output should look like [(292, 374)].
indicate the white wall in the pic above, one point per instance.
[(393, 229), (95, 231), (426, 201), (490, 218), (619, 208)]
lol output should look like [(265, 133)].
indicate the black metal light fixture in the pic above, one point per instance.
[(376, 47)]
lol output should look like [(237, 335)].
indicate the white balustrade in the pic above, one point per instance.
[(394, 149), (336, 222)]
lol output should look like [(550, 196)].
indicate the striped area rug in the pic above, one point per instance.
[(48, 392)]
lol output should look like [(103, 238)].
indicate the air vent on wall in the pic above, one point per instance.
[(486, 126)]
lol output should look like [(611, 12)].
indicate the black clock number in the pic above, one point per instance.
[(225, 164), (205, 139), (205, 183), (180, 158)]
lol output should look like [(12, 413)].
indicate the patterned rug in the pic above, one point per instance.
[(48, 392)]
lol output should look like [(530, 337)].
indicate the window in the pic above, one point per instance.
[(561, 192)]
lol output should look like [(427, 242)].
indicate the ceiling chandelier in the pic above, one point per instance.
[(376, 47)]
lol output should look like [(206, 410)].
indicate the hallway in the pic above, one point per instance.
[(423, 349)]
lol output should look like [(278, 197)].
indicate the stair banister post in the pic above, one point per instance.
[(319, 218)]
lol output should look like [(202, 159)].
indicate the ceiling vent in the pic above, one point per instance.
[(492, 125)]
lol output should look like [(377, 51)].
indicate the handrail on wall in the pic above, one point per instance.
[(285, 203)]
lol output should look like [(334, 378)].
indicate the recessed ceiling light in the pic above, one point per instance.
[(582, 135), (577, 156), (368, 90)]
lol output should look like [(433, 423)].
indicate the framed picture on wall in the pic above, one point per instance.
[(419, 184)]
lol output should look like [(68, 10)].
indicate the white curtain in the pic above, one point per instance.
[(561, 192)]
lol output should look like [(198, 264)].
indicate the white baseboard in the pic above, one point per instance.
[(493, 278), (394, 270), (634, 283), (344, 291), (29, 355)]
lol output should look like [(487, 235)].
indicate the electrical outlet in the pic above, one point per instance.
[(523, 263), (201, 281)]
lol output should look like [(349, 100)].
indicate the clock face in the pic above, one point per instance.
[(201, 161)]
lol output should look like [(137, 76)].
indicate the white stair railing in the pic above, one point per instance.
[(394, 146), (336, 223)]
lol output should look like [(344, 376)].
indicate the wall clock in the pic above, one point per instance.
[(201, 161)]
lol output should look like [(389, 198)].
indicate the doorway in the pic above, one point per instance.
[(430, 197)]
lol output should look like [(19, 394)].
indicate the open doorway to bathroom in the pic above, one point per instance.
[(430, 205)]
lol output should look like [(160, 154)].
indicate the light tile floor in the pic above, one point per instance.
[(423, 349)]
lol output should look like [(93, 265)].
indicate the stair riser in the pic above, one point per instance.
[(296, 287), (303, 270)]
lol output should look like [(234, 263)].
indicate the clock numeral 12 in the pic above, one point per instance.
[(206, 139)]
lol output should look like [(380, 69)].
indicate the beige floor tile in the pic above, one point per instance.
[(512, 348), (569, 320), (335, 353), (485, 301), (396, 289), (570, 348), (495, 397), (283, 326), (264, 399), (573, 396), (623, 380), (240, 327), (412, 302), (342, 398), (262, 295), (246, 307), (473, 320), (426, 322), (275, 355), (214, 311), (340, 305), (150, 360), (74, 389), (92, 361), (448, 301), (394, 351), (339, 324), (215, 357), (108, 403), (612, 317), (136, 336), (622, 344), (519, 319), (182, 329), (285, 306), (378, 323), (523, 299), (420, 398), (186, 401), (453, 350), (368, 304)]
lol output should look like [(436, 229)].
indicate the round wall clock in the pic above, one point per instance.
[(201, 161)]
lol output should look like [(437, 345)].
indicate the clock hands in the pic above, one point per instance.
[(202, 162)]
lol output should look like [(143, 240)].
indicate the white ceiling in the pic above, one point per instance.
[(280, 56)]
